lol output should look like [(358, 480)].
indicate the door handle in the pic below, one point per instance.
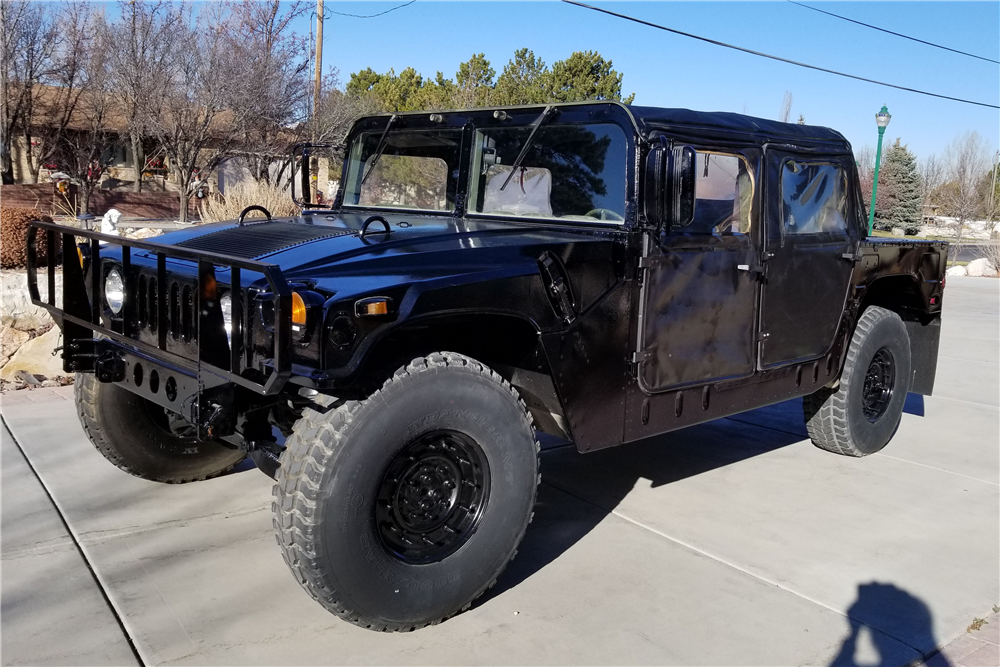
[(755, 268)]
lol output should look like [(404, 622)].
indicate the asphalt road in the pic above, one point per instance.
[(735, 542)]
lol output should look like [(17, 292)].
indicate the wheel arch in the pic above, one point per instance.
[(509, 344), (902, 295)]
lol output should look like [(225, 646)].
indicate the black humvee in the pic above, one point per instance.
[(597, 271)]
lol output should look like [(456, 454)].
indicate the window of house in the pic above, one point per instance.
[(814, 197), (723, 194)]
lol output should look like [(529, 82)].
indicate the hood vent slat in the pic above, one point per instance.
[(257, 240)]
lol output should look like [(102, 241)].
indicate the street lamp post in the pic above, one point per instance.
[(882, 119)]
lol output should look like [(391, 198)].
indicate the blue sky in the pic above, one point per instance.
[(674, 71)]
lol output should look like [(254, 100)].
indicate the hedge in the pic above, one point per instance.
[(13, 238)]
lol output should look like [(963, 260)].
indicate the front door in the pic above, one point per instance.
[(700, 291), (810, 245)]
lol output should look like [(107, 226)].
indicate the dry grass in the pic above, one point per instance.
[(248, 193)]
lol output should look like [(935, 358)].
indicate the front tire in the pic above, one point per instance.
[(861, 414), (136, 436), (398, 511)]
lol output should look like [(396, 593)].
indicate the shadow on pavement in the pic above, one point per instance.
[(881, 608), (611, 474)]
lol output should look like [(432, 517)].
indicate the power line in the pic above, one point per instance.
[(784, 60), (897, 34), (371, 16)]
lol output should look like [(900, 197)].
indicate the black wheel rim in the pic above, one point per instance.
[(880, 381), (432, 497)]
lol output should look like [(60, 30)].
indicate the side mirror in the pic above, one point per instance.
[(680, 186), (655, 203), (309, 160), (669, 186)]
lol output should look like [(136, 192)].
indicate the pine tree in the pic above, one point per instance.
[(900, 200)]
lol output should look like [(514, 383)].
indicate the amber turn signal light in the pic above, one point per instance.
[(373, 307), (298, 309)]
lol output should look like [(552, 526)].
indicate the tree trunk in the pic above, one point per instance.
[(957, 243), (7, 168), (138, 162), (183, 196), (29, 159), (84, 203)]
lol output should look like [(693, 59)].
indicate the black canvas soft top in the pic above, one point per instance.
[(725, 123)]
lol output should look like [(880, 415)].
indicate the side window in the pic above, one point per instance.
[(813, 198), (723, 194)]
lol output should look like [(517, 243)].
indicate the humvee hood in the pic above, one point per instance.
[(331, 245)]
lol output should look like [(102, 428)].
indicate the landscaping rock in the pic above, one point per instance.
[(957, 271), (27, 378), (36, 357), (17, 310), (10, 340), (980, 267)]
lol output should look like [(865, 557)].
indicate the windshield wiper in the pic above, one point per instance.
[(381, 147), (546, 114)]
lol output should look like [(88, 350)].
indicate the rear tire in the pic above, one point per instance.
[(398, 511), (861, 414), (136, 436)]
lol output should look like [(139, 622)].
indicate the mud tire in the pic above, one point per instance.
[(125, 429), (853, 419), (332, 480)]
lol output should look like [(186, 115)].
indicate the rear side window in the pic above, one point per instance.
[(813, 197)]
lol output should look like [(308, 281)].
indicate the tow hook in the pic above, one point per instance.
[(264, 455), (216, 413)]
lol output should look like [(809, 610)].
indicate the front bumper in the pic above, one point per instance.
[(205, 374)]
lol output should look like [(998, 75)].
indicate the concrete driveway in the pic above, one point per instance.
[(736, 542)]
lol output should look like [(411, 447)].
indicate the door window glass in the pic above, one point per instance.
[(813, 197), (723, 195)]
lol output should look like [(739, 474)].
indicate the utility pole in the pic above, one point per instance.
[(317, 85), (312, 163), (993, 191)]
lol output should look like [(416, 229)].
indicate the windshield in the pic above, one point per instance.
[(418, 169), (574, 172)]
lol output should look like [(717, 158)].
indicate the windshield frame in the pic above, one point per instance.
[(471, 120)]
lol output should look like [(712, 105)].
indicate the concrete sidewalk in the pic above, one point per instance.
[(52, 610), (736, 542)]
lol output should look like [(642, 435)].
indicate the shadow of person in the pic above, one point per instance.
[(896, 622)]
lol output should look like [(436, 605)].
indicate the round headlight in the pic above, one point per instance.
[(114, 291), (226, 302)]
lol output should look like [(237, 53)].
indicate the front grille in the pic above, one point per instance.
[(257, 240), (181, 322)]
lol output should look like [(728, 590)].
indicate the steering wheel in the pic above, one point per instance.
[(605, 214)]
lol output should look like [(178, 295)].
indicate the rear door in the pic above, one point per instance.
[(809, 250)]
